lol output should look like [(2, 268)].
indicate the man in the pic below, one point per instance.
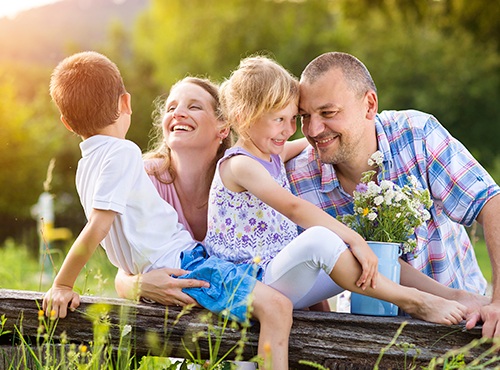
[(339, 105)]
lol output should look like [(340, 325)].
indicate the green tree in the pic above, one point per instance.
[(480, 17), (138, 79), (447, 73), (210, 38), (174, 38), (31, 134)]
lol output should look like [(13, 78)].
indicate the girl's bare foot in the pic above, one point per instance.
[(435, 309)]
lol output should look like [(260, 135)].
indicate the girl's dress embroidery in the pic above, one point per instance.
[(240, 225)]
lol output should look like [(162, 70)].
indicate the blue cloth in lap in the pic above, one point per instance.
[(230, 284)]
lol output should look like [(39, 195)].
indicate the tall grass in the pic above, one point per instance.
[(19, 269), (483, 259)]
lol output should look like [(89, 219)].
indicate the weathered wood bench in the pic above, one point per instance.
[(334, 340)]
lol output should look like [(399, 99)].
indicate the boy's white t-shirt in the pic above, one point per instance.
[(145, 234)]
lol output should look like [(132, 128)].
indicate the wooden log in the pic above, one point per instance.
[(333, 340)]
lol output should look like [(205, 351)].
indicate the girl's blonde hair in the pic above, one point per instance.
[(158, 147), (259, 86)]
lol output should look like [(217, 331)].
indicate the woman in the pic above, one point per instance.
[(181, 165)]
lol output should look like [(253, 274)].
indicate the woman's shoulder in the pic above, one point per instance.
[(156, 167), (152, 163)]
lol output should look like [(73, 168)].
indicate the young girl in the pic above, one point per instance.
[(252, 214)]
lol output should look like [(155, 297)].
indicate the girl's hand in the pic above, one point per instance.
[(369, 263), (56, 300)]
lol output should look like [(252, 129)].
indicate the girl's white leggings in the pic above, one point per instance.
[(301, 270)]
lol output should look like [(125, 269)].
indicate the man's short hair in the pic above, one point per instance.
[(355, 73), (86, 88)]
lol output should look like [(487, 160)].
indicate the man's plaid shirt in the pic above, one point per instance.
[(415, 143)]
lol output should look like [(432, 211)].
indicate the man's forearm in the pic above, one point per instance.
[(489, 218)]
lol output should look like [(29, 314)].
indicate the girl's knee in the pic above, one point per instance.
[(273, 306), (280, 308), (322, 241), (280, 303), (321, 233)]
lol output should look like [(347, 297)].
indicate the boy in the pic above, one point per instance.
[(139, 230)]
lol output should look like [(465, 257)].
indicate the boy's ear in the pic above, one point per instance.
[(65, 123), (126, 104)]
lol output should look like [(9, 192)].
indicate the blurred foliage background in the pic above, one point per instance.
[(437, 56)]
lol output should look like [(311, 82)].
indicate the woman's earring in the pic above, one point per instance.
[(220, 141)]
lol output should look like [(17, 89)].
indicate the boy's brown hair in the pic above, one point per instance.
[(86, 88)]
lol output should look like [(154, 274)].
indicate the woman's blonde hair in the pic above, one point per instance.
[(259, 86), (158, 147)]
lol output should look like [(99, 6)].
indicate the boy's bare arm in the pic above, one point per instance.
[(61, 294)]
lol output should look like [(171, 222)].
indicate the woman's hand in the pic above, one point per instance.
[(159, 286)]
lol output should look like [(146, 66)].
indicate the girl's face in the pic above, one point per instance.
[(190, 119), (268, 134)]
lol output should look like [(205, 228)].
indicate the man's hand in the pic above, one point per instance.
[(490, 316), (57, 299), (161, 287)]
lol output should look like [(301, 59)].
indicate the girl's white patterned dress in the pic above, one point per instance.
[(241, 226)]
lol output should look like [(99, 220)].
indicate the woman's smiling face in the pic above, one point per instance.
[(189, 117)]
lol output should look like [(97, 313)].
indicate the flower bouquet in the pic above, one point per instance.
[(388, 212), (386, 216)]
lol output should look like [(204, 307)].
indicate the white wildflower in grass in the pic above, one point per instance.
[(358, 196), (389, 196), (409, 246), (367, 177), (126, 329), (388, 213)]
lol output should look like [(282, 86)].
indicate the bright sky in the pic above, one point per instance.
[(10, 8)]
